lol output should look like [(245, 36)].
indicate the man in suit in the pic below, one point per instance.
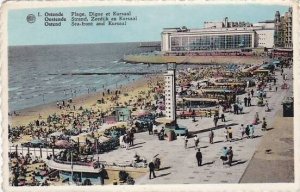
[(151, 169), (199, 157)]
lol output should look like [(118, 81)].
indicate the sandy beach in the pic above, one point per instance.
[(132, 91)]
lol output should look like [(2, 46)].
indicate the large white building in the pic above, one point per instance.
[(170, 94), (218, 36)]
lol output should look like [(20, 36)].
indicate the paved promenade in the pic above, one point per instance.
[(179, 165)]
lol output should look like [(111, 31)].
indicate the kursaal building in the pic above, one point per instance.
[(227, 35)]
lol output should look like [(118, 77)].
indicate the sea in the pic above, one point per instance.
[(35, 72)]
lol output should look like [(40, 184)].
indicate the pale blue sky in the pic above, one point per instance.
[(151, 20)]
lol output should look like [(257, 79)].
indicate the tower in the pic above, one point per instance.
[(170, 92)]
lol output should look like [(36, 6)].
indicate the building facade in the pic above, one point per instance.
[(218, 36), (283, 36), (203, 40), (225, 35), (265, 35)]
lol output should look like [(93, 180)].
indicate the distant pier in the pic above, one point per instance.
[(150, 44)]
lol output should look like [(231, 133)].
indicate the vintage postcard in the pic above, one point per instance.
[(150, 96)]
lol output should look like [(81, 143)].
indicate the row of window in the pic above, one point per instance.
[(186, 43)]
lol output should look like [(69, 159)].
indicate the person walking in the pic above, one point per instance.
[(224, 155), (256, 118), (249, 101), (252, 92), (230, 155), (267, 109), (150, 129), (131, 138), (229, 134), (247, 131), (245, 101), (226, 134), (121, 141), (185, 141), (126, 140), (216, 118), (199, 157), (235, 109), (223, 117), (151, 170), (196, 140), (251, 129), (276, 88), (242, 130), (211, 136), (264, 125)]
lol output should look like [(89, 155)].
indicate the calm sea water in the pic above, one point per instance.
[(29, 67)]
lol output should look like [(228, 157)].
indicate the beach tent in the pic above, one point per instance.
[(63, 144), (37, 142), (142, 113), (56, 134)]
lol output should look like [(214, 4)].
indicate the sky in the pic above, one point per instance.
[(151, 20)]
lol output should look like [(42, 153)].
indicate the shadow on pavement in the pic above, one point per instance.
[(221, 141), (212, 128), (237, 162), (208, 163), (164, 168), (162, 175), (135, 147), (139, 143)]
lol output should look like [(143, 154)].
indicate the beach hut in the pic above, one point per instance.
[(122, 114)]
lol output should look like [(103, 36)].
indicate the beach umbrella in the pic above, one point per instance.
[(63, 144)]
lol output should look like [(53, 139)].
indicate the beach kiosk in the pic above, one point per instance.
[(122, 114)]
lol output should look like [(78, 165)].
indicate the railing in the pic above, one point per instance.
[(74, 162)]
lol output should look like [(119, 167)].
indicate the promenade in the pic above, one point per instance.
[(179, 166), (207, 59)]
